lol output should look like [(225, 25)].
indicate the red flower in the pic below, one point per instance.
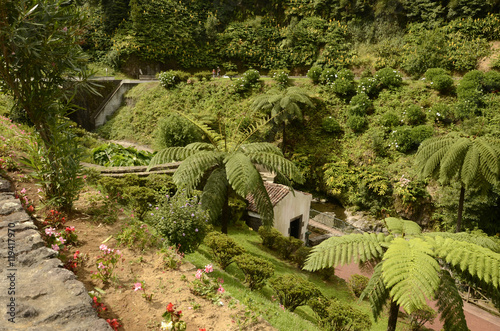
[(202, 329), (170, 307)]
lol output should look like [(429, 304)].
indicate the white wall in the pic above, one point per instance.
[(291, 207)]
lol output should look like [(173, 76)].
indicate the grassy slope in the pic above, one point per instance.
[(261, 301)]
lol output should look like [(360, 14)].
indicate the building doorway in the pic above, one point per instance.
[(295, 227)]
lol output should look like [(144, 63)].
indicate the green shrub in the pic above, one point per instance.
[(359, 104), (171, 78), (281, 77), (491, 81), (331, 125), (176, 131), (357, 123), (388, 78), (470, 91), (314, 73), (256, 270), (414, 115), (343, 85), (432, 73), (358, 283), (203, 75), (138, 235), (113, 155), (139, 198), (328, 76), (251, 76), (224, 249), (407, 138), (293, 290), (466, 109), (180, 220), (268, 236), (475, 76), (286, 246), (336, 315), (442, 83), (439, 112), (390, 119), (369, 86), (300, 256)]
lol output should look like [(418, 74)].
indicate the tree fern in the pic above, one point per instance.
[(215, 193), (474, 161), (277, 164), (170, 154), (410, 272), (480, 240), (241, 173)]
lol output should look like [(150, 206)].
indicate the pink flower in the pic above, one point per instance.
[(50, 231), (55, 247), (209, 268), (221, 289), (101, 266), (137, 286), (103, 247), (199, 273), (61, 240), (23, 191)]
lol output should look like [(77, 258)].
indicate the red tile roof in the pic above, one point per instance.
[(276, 193)]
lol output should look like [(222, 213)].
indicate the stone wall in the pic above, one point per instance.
[(36, 292)]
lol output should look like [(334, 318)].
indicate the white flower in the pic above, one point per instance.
[(168, 327)]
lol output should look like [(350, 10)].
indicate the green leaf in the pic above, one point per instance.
[(410, 271)]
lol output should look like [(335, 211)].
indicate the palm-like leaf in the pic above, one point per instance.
[(190, 172), (470, 258), (277, 164), (215, 193), (479, 240), (411, 272), (241, 173), (170, 154), (450, 304), (376, 291), (260, 147), (343, 250), (400, 227)]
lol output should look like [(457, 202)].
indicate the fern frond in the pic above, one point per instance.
[(170, 154), (200, 146), (211, 134), (253, 128), (263, 204), (215, 193), (450, 304), (241, 174), (470, 167), (397, 226), (261, 147), (277, 164), (430, 153), (480, 240), (192, 169), (470, 259), (376, 291), (453, 159), (410, 272), (490, 158), (337, 251)]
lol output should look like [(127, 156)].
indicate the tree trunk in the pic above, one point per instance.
[(460, 209), (225, 214), (393, 316)]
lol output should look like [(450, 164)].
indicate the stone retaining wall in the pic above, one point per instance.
[(36, 292)]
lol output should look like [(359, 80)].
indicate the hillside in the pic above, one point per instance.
[(356, 150)]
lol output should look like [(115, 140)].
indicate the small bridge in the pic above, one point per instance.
[(333, 222), (167, 168)]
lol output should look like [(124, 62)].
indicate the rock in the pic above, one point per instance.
[(4, 185)]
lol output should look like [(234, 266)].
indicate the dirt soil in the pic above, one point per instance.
[(129, 307)]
